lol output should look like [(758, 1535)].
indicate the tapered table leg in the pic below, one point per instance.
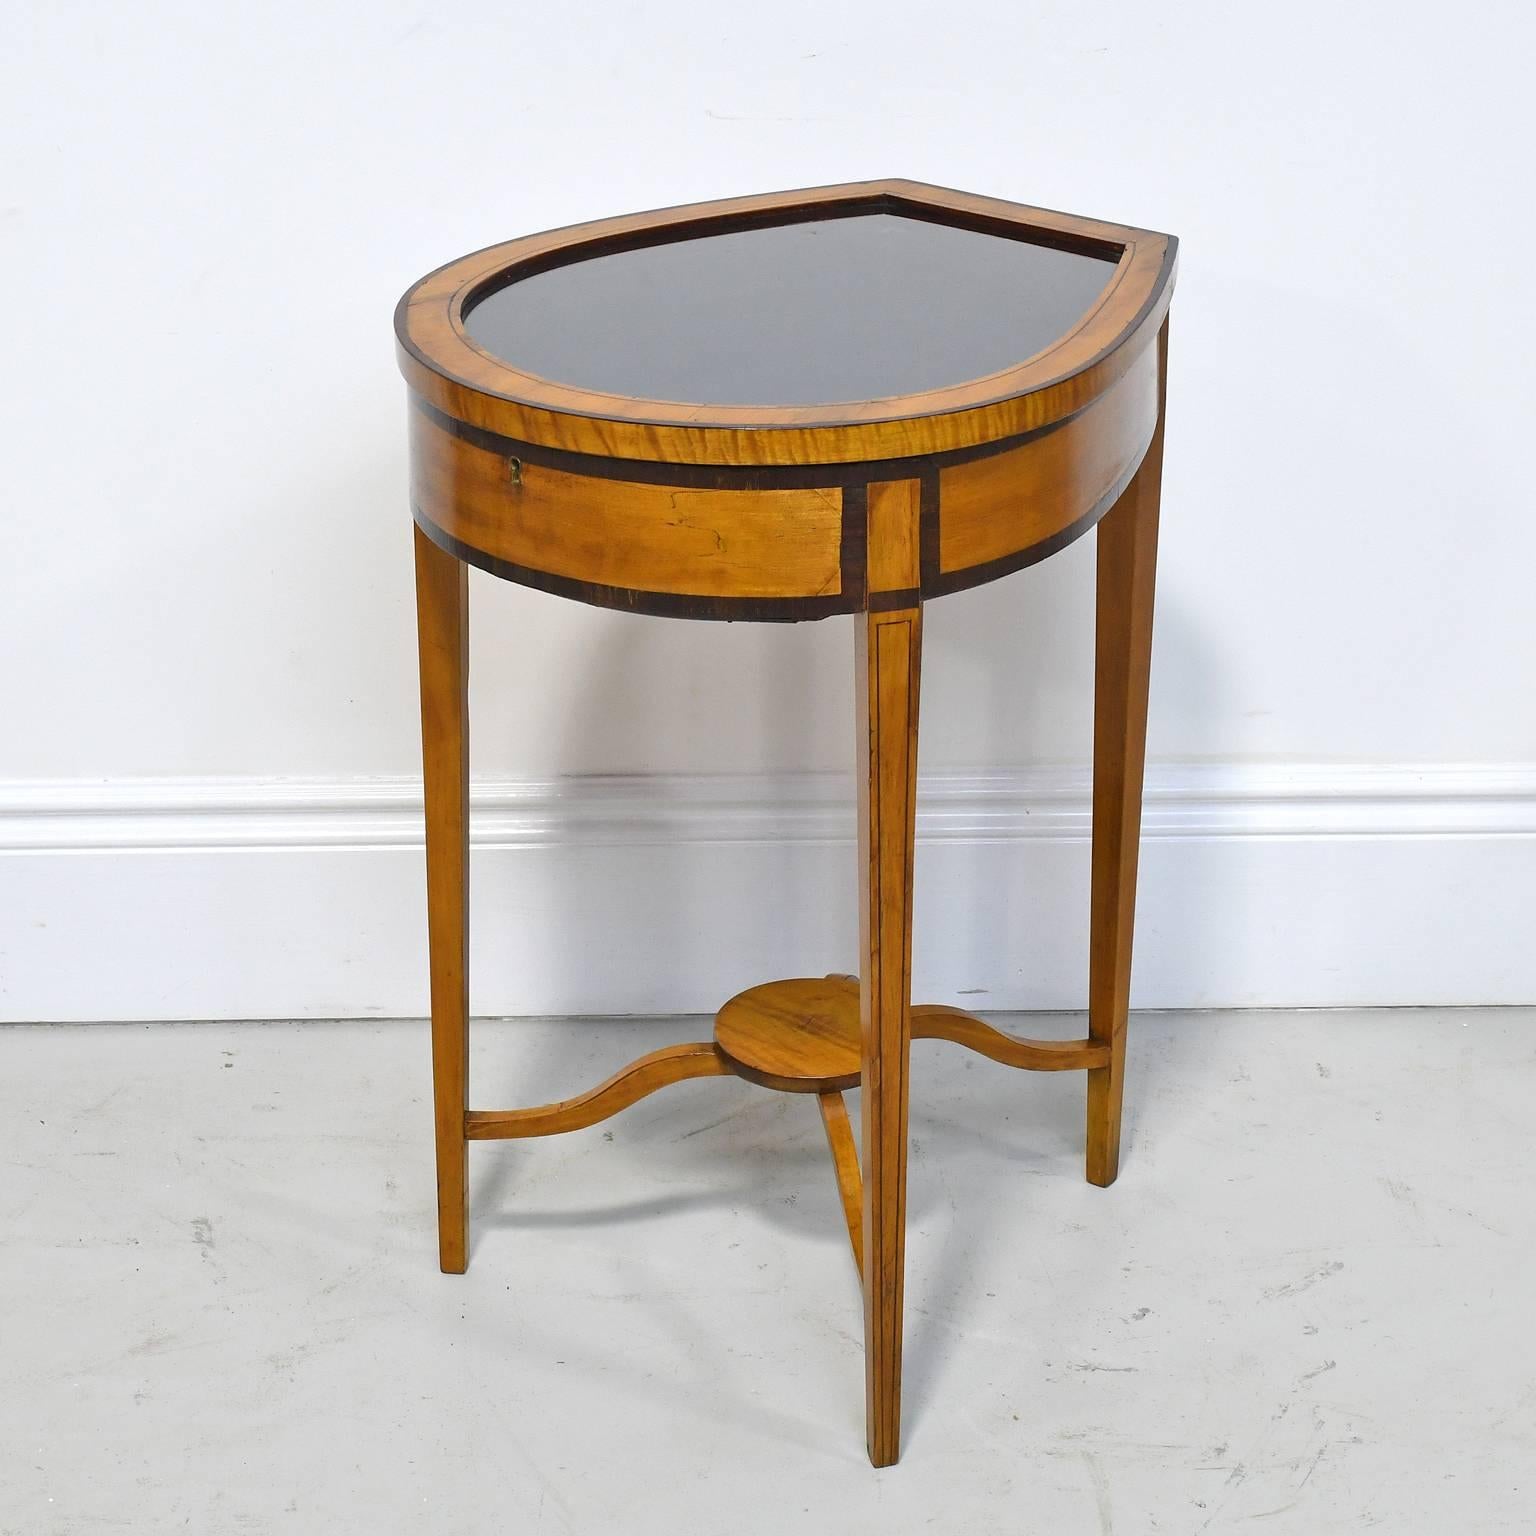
[(889, 650), (1127, 564), (442, 621)]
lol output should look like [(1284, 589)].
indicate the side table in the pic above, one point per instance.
[(844, 400)]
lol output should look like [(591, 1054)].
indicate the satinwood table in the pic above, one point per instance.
[(841, 401)]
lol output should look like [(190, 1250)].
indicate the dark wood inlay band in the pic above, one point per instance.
[(723, 477)]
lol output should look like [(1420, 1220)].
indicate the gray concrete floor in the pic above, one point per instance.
[(1306, 1305)]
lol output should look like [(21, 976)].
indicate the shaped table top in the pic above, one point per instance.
[(861, 307), (785, 406), (832, 325)]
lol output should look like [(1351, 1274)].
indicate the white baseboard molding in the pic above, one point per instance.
[(1294, 886)]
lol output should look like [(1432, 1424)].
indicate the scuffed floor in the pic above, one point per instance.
[(1305, 1307)]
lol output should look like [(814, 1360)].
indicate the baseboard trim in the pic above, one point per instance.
[(1300, 885), (1181, 800)]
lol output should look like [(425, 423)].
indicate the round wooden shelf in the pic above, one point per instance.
[(799, 1036)]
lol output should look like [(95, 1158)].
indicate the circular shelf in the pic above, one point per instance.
[(799, 1036)]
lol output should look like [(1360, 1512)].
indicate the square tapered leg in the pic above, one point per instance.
[(442, 617)]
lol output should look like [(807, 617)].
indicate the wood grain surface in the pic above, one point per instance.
[(776, 513), (845, 1165), (616, 533), (799, 1036), (630, 1084), (442, 364), (442, 615), (1127, 565), (888, 655)]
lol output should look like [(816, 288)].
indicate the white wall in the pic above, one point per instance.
[(207, 212)]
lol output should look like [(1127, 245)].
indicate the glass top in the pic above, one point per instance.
[(848, 309)]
